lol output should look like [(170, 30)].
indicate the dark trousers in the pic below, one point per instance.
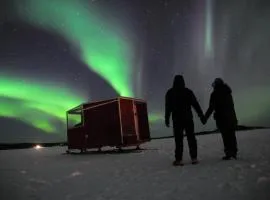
[(229, 139), (178, 129)]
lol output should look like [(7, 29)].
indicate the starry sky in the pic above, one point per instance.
[(57, 54)]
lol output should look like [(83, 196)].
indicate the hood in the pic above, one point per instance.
[(179, 82), (219, 85)]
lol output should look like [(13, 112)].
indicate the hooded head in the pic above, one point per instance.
[(217, 83), (179, 82)]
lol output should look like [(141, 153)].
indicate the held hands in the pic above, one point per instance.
[(203, 120)]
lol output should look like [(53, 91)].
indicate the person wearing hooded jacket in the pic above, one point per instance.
[(221, 102), (178, 103)]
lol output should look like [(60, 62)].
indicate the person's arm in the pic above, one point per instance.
[(167, 109), (210, 108), (195, 104)]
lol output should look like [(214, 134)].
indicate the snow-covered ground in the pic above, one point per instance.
[(50, 174)]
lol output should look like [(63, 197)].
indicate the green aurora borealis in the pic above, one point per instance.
[(39, 105), (36, 104), (100, 47), (208, 48), (102, 50), (58, 54)]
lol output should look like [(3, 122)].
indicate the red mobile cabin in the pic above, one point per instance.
[(118, 122)]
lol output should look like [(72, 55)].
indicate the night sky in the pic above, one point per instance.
[(57, 54)]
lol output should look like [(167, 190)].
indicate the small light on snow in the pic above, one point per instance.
[(38, 147), (253, 166), (77, 173)]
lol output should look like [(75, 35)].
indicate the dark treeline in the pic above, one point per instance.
[(8, 146)]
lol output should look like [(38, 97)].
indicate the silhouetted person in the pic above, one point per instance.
[(221, 101), (178, 102)]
